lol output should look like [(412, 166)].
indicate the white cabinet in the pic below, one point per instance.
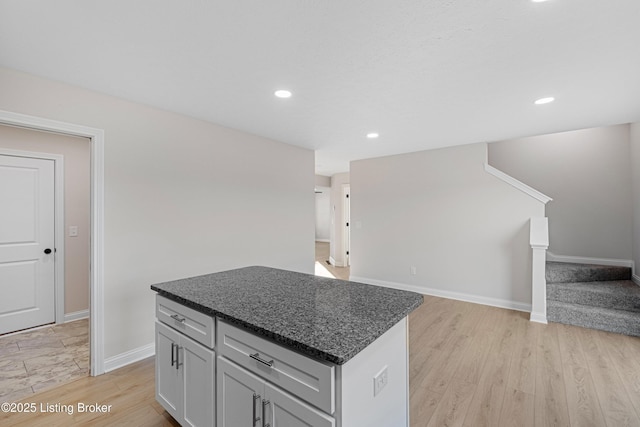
[(185, 378), (310, 380), (283, 410), (245, 399), (239, 396), (168, 378), (257, 382)]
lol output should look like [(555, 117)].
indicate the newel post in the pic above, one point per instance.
[(539, 241)]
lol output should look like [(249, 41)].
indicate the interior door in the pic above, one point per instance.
[(27, 264)]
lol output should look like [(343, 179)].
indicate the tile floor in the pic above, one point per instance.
[(38, 359)]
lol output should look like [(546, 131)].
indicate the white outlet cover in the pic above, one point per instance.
[(380, 380)]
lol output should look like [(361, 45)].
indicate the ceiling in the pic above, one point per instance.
[(423, 74)]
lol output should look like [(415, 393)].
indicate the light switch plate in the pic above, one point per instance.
[(73, 231)]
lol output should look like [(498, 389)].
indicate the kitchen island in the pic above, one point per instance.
[(264, 347)]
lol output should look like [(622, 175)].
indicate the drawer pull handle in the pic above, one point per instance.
[(177, 318), (255, 398), (178, 364), (261, 360), (173, 355), (265, 403)]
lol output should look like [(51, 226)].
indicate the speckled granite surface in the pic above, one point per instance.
[(328, 319)]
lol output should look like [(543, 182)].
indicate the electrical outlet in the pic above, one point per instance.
[(380, 380), (413, 270)]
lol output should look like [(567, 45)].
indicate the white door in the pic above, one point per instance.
[(27, 269)]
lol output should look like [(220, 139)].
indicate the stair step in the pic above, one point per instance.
[(604, 319), (564, 272), (620, 295)]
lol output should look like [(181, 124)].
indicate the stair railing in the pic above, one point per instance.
[(539, 241)]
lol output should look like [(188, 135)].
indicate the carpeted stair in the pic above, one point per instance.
[(593, 296)]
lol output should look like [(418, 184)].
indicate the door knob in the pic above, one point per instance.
[(47, 251)]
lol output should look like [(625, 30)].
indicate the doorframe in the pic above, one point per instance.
[(96, 136), (58, 209), (346, 219)]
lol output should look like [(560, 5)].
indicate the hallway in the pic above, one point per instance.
[(323, 268)]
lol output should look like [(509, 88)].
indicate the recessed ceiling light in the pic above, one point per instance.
[(544, 100), (538, 1), (282, 93), (372, 135)]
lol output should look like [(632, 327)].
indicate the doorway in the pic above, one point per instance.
[(96, 136), (58, 352)]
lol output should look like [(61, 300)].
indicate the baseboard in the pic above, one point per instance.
[(332, 261), (538, 318), (636, 279), (477, 299), (323, 240), (76, 315), (129, 357)]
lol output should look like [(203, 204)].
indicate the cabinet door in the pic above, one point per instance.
[(286, 411), (239, 402), (168, 377), (197, 363)]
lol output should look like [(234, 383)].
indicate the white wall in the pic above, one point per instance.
[(465, 231), (323, 214), (183, 197), (76, 153), (587, 173), (323, 181), (635, 182), (337, 231)]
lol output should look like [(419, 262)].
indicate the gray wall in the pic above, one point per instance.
[(465, 231), (635, 169), (183, 197), (588, 175)]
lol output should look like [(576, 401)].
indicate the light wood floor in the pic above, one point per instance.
[(323, 268), (38, 359), (470, 365)]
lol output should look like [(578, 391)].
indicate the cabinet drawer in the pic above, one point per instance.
[(306, 378), (190, 322)]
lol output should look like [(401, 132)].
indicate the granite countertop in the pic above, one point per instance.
[(324, 318)]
